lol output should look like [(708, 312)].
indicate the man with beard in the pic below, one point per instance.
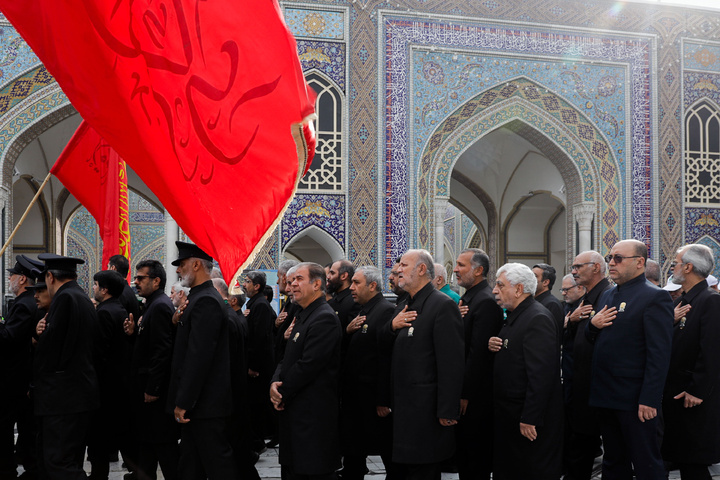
[(426, 343), (393, 281), (338, 283), (65, 383), (260, 319), (588, 269), (528, 395), (16, 331), (691, 403), (305, 385), (633, 341), (482, 320), (112, 364), (200, 394), (365, 426), (156, 432), (178, 295)]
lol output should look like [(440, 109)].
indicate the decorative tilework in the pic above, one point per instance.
[(328, 57), (324, 211), (700, 222), (449, 227), (714, 245), (701, 85), (15, 55), (701, 56), (315, 23), (404, 35), (24, 86)]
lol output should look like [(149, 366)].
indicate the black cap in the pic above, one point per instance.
[(37, 286), (58, 262), (26, 266), (189, 250)]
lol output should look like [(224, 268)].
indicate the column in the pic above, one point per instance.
[(584, 213), (441, 204), (171, 235)]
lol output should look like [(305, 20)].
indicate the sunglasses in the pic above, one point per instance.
[(617, 258)]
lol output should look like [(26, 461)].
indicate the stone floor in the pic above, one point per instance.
[(268, 468)]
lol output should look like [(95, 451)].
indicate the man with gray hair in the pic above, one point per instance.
[(526, 375), (440, 282), (365, 428), (426, 344), (652, 272), (691, 404), (482, 320)]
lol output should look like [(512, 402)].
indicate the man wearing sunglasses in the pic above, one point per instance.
[(633, 338)]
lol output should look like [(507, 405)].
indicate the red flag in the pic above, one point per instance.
[(205, 99), (96, 175)]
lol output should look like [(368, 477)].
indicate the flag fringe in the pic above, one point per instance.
[(303, 160)]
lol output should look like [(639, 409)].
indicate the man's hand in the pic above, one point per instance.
[(129, 325), (41, 326), (446, 422), (289, 330), (495, 344), (604, 317), (463, 308), (276, 397), (689, 400), (646, 413), (253, 373), (681, 311), (463, 406), (180, 415), (383, 411), (150, 398), (280, 319), (528, 431), (580, 313), (246, 312), (403, 319), (178, 313), (356, 324)]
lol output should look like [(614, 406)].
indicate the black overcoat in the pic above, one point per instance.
[(427, 378), (16, 331), (692, 435), (279, 343), (113, 352), (527, 385), (260, 321), (345, 306), (549, 301), (200, 379), (152, 356), (309, 372), (64, 376), (365, 382)]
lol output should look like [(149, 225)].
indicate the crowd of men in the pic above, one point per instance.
[(503, 380)]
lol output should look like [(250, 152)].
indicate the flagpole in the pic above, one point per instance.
[(27, 210)]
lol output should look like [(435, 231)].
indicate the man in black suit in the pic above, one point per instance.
[(527, 391), (129, 301), (365, 425), (426, 341), (287, 312), (305, 384), (65, 384), (588, 269), (155, 430), (546, 276), (691, 404), (200, 394), (393, 281), (482, 320), (633, 341), (112, 364), (260, 319), (16, 332), (338, 284)]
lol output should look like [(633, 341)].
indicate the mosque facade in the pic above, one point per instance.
[(532, 129)]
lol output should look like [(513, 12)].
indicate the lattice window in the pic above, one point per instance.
[(702, 155), (325, 173)]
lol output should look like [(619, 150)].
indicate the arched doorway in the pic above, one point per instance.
[(313, 244)]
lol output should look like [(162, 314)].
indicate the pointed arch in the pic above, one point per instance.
[(321, 237), (702, 153)]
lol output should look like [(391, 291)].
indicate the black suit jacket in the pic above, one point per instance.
[(427, 378), (345, 306), (113, 351), (200, 380), (279, 331), (632, 356), (260, 321), (130, 302), (528, 390), (692, 435), (548, 300), (64, 376), (309, 372), (16, 332)]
